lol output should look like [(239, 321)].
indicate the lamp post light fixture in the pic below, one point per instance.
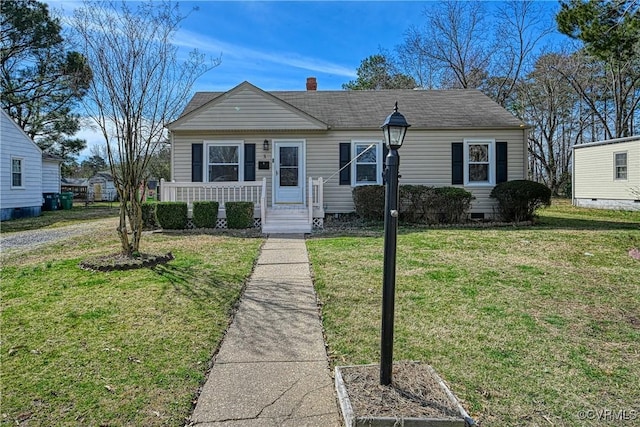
[(394, 129)]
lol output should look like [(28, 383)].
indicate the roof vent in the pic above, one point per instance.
[(312, 84)]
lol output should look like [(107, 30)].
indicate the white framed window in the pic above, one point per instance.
[(479, 162), (17, 178), (620, 165), (224, 161), (367, 163)]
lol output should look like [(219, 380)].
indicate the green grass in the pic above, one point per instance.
[(59, 218), (528, 325), (118, 348)]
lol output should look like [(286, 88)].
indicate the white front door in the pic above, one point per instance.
[(288, 172)]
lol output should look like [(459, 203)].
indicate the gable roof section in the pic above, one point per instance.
[(423, 109), (244, 107), (7, 120)]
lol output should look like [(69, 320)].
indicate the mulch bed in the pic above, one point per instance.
[(413, 393), (119, 262)]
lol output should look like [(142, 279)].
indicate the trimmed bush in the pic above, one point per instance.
[(369, 202), (205, 214), (432, 205), (453, 204), (418, 204), (239, 214), (519, 199), (172, 215), (149, 220)]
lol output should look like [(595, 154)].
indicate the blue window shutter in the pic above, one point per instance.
[(501, 162), (196, 162), (345, 158), (249, 162), (457, 163)]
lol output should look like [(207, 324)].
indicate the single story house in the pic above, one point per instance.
[(299, 154), (102, 188), (20, 172), (606, 174)]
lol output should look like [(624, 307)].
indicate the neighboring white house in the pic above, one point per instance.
[(51, 175), (606, 174), (102, 188), (20, 172), (294, 153)]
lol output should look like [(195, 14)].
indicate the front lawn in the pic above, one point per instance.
[(119, 348), (60, 218), (529, 326)]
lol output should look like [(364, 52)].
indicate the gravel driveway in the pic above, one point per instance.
[(24, 240)]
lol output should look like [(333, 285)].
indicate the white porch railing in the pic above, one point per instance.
[(315, 199), (220, 192), (223, 192)]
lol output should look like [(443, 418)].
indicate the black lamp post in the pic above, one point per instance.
[(394, 128)]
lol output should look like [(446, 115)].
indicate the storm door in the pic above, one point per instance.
[(288, 172)]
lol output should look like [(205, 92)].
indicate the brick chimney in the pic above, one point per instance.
[(312, 84)]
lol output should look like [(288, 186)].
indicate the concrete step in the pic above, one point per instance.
[(286, 221)]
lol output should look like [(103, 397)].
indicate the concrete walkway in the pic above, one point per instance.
[(272, 367)]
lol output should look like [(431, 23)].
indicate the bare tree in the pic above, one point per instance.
[(457, 47), (412, 59), (139, 86), (453, 41), (554, 109), (521, 27)]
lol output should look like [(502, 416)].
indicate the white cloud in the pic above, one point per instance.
[(249, 56)]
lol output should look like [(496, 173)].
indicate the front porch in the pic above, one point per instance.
[(272, 218)]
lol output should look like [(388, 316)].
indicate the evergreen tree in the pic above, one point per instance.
[(41, 80), (377, 72), (610, 32)]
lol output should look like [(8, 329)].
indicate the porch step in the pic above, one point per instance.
[(286, 221)]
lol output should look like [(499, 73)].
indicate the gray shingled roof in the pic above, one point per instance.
[(425, 109)]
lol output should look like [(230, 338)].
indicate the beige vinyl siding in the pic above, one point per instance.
[(181, 153), (246, 110), (425, 159), (594, 173)]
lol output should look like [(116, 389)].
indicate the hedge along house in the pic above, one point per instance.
[(298, 154), (606, 174)]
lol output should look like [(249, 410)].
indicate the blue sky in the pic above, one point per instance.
[(276, 45)]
